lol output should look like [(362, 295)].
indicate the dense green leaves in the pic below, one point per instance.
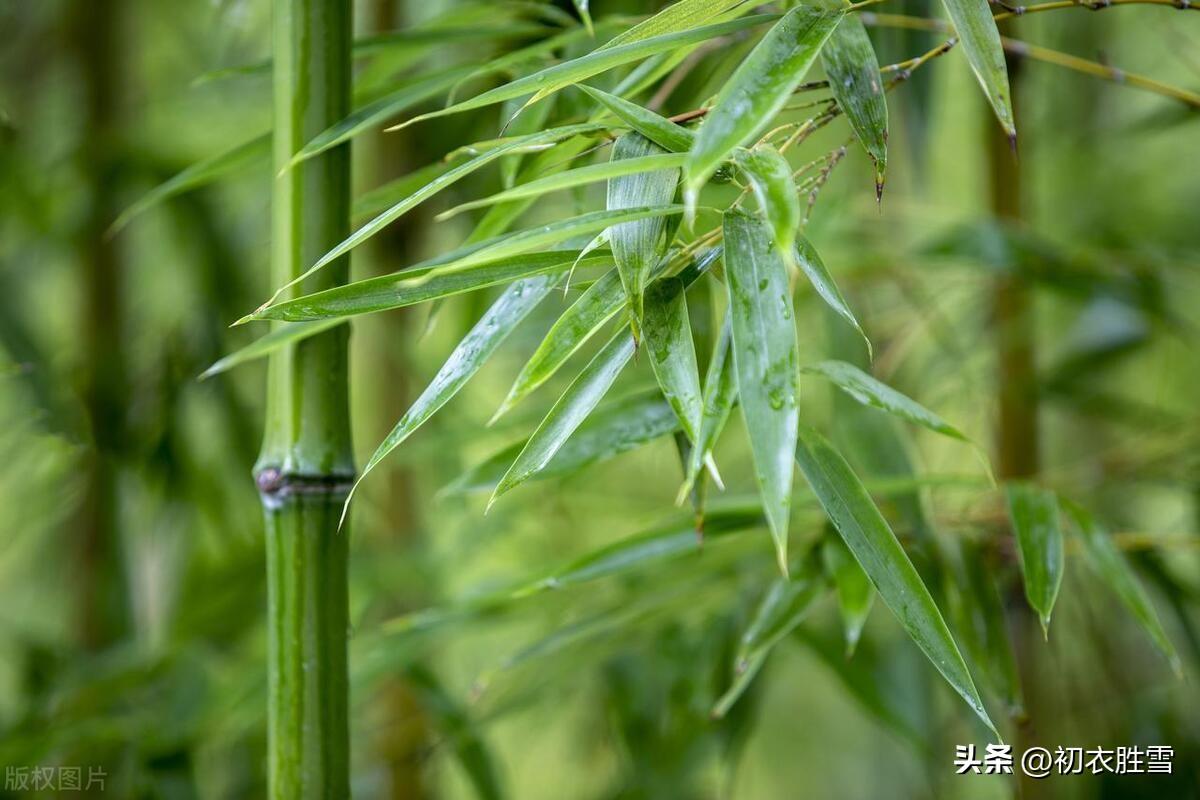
[(770, 177), (569, 412), (667, 333), (1114, 570), (758, 89), (475, 348), (872, 392), (1034, 515), (766, 362), (638, 246), (872, 542), (853, 73), (981, 41)]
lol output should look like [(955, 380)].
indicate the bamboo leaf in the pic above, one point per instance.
[(877, 550), (853, 73), (475, 348), (855, 594), (371, 202), (582, 7), (658, 129), (551, 79), (612, 429), (668, 337), (281, 336), (814, 269), (720, 394), (872, 392), (639, 246), (574, 326), (758, 89), (418, 284), (447, 178), (979, 610), (781, 610), (1034, 515), (567, 414), (199, 174), (765, 361), (580, 176), (379, 111), (770, 178), (1114, 569), (981, 41), (680, 16)]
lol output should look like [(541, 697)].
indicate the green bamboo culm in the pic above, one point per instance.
[(307, 465)]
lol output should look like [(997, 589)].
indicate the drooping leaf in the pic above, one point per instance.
[(765, 361), (758, 89), (551, 79), (475, 348), (875, 393), (574, 326), (269, 343), (855, 594), (822, 282), (1034, 515), (1114, 570), (418, 284), (668, 338), (770, 178), (853, 73), (658, 129), (720, 394), (679, 16), (570, 179), (867, 534), (569, 412), (981, 42), (639, 246), (980, 620), (199, 174), (377, 112), (612, 429), (784, 606)]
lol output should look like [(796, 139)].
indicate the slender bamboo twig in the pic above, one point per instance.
[(306, 464)]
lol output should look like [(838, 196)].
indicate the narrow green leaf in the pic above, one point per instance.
[(872, 542), (782, 609), (658, 129), (281, 336), (1114, 569), (853, 73), (1034, 516), (770, 178), (612, 429), (668, 338), (582, 7), (980, 620), (814, 269), (199, 174), (981, 42), (475, 348), (872, 392), (855, 593), (556, 77), (418, 284), (680, 16), (437, 184), (570, 179), (639, 246), (372, 201), (520, 124), (765, 360), (720, 394), (380, 111), (567, 414), (759, 88)]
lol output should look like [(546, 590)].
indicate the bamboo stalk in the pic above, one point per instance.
[(306, 464)]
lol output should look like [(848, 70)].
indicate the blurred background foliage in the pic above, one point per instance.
[(131, 590)]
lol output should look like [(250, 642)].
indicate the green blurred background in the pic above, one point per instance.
[(131, 571)]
